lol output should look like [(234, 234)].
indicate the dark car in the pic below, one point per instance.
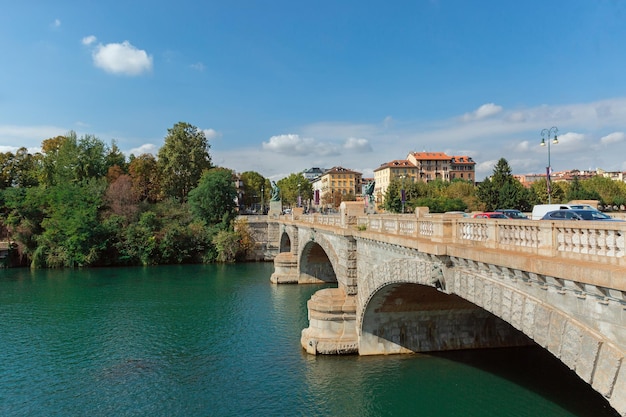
[(490, 215), (576, 214), (513, 214)]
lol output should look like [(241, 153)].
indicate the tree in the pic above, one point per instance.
[(539, 192), (182, 159), (253, 185), (72, 231), (465, 191), (115, 157), (576, 191), (20, 169), (604, 189), (72, 159), (502, 190), (293, 186), (213, 200), (144, 173), (393, 198), (121, 199)]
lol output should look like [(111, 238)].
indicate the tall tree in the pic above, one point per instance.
[(182, 159), (145, 177), (393, 197), (293, 186), (254, 185), (213, 200), (502, 190)]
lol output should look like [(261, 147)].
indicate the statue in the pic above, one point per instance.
[(275, 192), (369, 192)]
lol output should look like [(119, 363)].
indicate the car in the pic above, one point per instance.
[(489, 215), (513, 214), (579, 214), (541, 209)]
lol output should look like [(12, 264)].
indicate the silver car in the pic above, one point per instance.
[(578, 214)]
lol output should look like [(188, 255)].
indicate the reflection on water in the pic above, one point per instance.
[(223, 341)]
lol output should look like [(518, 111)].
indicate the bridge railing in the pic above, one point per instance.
[(596, 241)]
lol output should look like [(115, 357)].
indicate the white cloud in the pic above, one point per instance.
[(145, 148), (88, 40), (56, 24), (28, 136), (294, 145), (484, 111), (120, 58), (359, 145), (611, 138), (211, 134), (198, 66)]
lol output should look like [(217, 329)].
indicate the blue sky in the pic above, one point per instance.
[(281, 86)]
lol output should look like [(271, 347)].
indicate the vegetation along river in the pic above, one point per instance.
[(221, 340)]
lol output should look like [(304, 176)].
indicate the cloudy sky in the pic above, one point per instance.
[(280, 86)]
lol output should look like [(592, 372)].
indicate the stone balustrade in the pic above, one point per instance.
[(592, 241)]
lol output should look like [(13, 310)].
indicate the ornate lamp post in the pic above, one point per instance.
[(299, 197), (402, 193), (546, 134)]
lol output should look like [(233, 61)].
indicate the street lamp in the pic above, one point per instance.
[(299, 198), (402, 193), (262, 200), (545, 139)]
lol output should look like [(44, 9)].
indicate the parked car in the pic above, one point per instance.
[(579, 214), (541, 209), (513, 214), (490, 215)]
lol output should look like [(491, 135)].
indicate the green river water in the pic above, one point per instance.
[(214, 340)]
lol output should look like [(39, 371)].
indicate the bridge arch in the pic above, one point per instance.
[(406, 309), (285, 243), (593, 356), (316, 264)]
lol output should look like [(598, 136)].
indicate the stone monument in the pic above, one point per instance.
[(276, 205)]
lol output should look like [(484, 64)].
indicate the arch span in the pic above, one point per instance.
[(581, 347), (315, 264), (409, 312)]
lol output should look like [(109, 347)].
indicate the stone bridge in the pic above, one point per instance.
[(419, 283)]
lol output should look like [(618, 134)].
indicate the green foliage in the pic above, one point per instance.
[(393, 198), (24, 210), (72, 229), (539, 192), (441, 204), (213, 201), (182, 160), (227, 245), (502, 190), (253, 185), (294, 185), (603, 188), (70, 159), (20, 169)]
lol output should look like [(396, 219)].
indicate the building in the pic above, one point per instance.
[(424, 167), (313, 173), (389, 171), (335, 185)]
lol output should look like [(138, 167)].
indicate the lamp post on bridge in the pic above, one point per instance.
[(402, 193), (546, 134)]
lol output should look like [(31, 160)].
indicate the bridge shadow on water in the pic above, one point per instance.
[(535, 369)]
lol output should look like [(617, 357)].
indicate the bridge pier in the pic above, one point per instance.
[(332, 323), (285, 269)]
